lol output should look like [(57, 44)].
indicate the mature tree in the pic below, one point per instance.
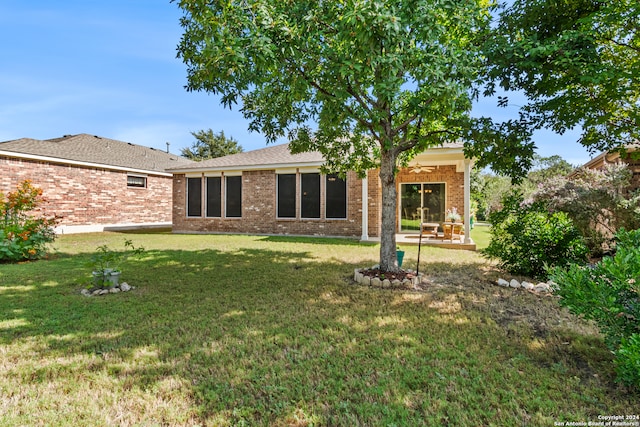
[(379, 80), (577, 61), (209, 145)]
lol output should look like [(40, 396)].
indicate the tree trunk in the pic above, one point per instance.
[(388, 257)]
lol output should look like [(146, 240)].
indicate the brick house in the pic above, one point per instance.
[(93, 183), (271, 191)]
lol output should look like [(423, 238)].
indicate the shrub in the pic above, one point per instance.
[(24, 229), (599, 202), (526, 237), (609, 294)]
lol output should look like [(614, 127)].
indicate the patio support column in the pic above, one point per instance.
[(365, 209), (467, 201)]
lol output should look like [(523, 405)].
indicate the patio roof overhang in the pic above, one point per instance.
[(442, 157)]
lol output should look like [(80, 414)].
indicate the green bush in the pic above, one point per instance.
[(609, 294), (526, 237), (24, 231)]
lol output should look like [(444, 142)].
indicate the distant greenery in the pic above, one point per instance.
[(263, 330), (209, 145), (488, 189)]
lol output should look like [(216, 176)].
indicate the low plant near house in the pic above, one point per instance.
[(25, 230), (106, 262), (609, 294), (526, 237)]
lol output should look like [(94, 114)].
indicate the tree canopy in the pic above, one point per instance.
[(209, 145), (366, 83), (578, 62)]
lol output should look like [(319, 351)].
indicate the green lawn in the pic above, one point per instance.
[(242, 330)]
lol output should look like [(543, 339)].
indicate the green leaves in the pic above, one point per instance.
[(578, 63)]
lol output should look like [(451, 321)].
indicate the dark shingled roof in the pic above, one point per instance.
[(269, 156), (98, 150)]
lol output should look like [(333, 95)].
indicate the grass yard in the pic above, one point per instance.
[(255, 330)]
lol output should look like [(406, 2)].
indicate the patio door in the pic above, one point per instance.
[(421, 202)]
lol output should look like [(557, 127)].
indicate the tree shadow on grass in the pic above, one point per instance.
[(263, 337)]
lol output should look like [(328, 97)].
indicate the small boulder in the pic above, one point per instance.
[(514, 283), (376, 282), (386, 283), (86, 292), (124, 287), (502, 282), (542, 287), (527, 285)]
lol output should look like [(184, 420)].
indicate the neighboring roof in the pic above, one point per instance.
[(269, 157), (277, 156), (91, 150), (607, 157)]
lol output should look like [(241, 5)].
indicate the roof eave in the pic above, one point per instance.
[(79, 163)]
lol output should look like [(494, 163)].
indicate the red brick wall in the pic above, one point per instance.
[(454, 189), (454, 183), (259, 211), (91, 196)]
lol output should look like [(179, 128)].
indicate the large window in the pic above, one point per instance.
[(233, 192), (310, 195), (214, 196), (336, 197), (286, 205), (194, 196)]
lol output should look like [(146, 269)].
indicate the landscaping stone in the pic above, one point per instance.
[(375, 282), (539, 288), (366, 280), (396, 283), (386, 283), (542, 287), (122, 287)]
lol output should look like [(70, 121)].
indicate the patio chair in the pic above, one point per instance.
[(452, 231)]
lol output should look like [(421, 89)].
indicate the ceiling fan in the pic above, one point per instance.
[(418, 168)]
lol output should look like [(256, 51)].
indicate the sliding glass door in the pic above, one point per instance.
[(421, 202)]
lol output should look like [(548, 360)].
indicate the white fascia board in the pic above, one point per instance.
[(248, 168), (79, 163)]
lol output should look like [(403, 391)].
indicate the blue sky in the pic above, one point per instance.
[(109, 68)]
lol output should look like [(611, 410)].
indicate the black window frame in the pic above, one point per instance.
[(197, 202), (310, 196), (335, 196), (213, 206), (286, 196), (233, 196)]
